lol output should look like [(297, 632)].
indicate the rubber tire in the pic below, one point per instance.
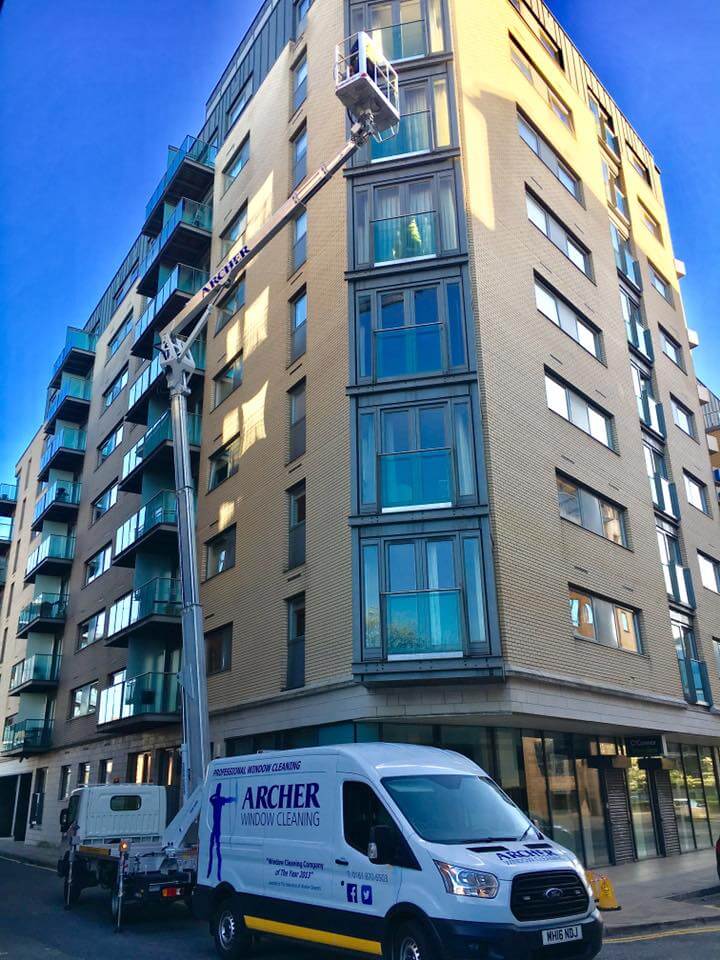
[(230, 945), (412, 940)]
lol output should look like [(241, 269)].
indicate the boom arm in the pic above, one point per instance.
[(178, 366)]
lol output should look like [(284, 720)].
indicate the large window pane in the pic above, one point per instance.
[(641, 811), (463, 450), (711, 791), (535, 781), (592, 814), (371, 598), (681, 802), (563, 791), (696, 794), (475, 592), (368, 482)]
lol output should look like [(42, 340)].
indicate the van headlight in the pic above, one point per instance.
[(468, 883)]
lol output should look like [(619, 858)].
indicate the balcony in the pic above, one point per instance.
[(152, 381), (54, 556), (59, 502), (414, 137), (402, 239), (155, 448), (665, 496), (695, 683), (402, 41), (423, 624), (145, 701), (8, 499), (628, 265), (69, 401), (77, 356), (154, 525), (409, 351), (65, 450), (190, 173), (26, 736), (35, 674), (179, 287), (45, 614), (640, 339), (711, 414), (678, 584), (6, 533), (651, 414), (417, 480), (153, 609), (185, 236)]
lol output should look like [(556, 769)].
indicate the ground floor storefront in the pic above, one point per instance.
[(610, 799)]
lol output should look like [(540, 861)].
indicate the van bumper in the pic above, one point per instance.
[(463, 940)]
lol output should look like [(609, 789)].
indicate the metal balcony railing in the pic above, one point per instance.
[(182, 279), (162, 509), (45, 606), (423, 624), (41, 667), (160, 597), (150, 693), (27, 735), (191, 148)]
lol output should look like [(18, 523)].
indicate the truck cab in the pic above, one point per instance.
[(384, 849)]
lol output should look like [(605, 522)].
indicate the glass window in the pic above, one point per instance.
[(696, 492), (592, 810), (300, 240), (104, 502), (549, 156), (98, 564), (641, 811), (298, 332), (220, 553), (297, 420), (709, 572), (230, 306), (696, 795), (650, 223), (672, 349), (300, 71), (683, 418), (228, 380), (119, 335), (640, 168), (296, 642), (65, 777), (604, 622), (660, 284), (296, 525), (234, 232), (218, 649), (91, 630), (239, 103), (237, 162), (558, 234), (577, 410), (110, 443), (371, 599), (225, 463), (105, 770), (590, 510), (557, 310), (115, 388), (83, 700), (528, 69), (299, 154), (562, 788), (83, 777)]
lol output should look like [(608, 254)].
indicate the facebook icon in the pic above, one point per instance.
[(352, 893)]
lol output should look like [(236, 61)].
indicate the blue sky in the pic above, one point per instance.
[(93, 91)]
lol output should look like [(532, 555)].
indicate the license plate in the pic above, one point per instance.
[(561, 935)]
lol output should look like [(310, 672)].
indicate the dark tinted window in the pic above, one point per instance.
[(123, 803), (361, 812)]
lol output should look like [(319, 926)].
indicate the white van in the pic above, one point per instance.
[(401, 852)]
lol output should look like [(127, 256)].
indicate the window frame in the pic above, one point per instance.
[(113, 435), (118, 338), (580, 319), (221, 376), (295, 643), (93, 506), (210, 545), (676, 356), (97, 633), (691, 481), (225, 635), (607, 417), (537, 80), (106, 554), (297, 425), (113, 391), (552, 152), (616, 609), (660, 284), (297, 555), (677, 407), (238, 294), (241, 153), (552, 225), (713, 565), (232, 449), (76, 711), (621, 511), (226, 241), (231, 117)]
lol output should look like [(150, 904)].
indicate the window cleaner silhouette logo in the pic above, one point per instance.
[(217, 802)]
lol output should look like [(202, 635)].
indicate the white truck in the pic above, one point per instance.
[(396, 851)]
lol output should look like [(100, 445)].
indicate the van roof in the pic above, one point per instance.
[(380, 759)]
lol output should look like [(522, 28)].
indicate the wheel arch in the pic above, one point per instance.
[(406, 912)]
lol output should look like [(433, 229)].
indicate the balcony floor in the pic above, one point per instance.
[(144, 721), (52, 566), (60, 510), (192, 180), (159, 628), (78, 362), (72, 410), (33, 686), (186, 244), (161, 539), (64, 458), (7, 507), (41, 625)]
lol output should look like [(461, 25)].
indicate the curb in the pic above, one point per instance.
[(638, 929), (34, 860)]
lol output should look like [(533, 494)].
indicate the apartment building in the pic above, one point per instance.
[(453, 482)]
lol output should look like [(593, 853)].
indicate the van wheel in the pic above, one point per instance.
[(231, 938), (412, 942)]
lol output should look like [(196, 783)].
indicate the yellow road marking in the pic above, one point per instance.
[(314, 936), (684, 932)]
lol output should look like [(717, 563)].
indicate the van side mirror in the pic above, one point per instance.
[(383, 844), (64, 820)]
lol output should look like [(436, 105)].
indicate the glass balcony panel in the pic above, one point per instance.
[(160, 597), (45, 606), (67, 439), (695, 683), (8, 491), (416, 480), (408, 351), (158, 433), (154, 370), (54, 547), (61, 491), (192, 148), (413, 137), (412, 237), (401, 41), (75, 339), (183, 279), (79, 388), (190, 212), (27, 734), (6, 529), (423, 624), (44, 667), (150, 693), (162, 509)]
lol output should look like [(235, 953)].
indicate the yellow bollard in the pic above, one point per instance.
[(607, 900), (594, 884)]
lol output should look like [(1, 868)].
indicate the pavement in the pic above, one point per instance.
[(654, 924)]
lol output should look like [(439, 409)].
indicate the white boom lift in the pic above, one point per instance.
[(161, 859)]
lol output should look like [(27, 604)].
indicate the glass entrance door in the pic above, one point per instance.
[(641, 812)]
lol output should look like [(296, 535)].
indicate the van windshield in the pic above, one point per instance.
[(450, 808)]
